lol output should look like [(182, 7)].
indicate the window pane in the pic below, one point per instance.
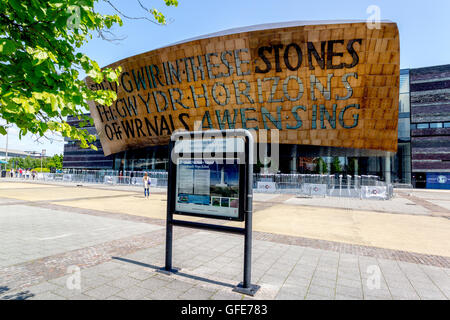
[(436, 125), (413, 126), (404, 81), (422, 126), (447, 125), (403, 129), (404, 103)]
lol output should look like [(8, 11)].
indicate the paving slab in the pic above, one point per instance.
[(45, 232)]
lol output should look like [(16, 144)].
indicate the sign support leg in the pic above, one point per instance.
[(168, 269), (169, 236), (246, 287)]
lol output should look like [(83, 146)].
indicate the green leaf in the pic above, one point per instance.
[(96, 75), (7, 47), (54, 103), (28, 107), (41, 64), (111, 75), (171, 3), (158, 16)]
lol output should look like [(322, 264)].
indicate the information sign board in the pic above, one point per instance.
[(210, 186)]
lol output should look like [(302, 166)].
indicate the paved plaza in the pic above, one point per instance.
[(77, 242)]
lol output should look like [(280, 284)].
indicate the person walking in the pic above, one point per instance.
[(132, 178), (146, 180)]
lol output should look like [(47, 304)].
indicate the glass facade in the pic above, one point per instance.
[(404, 81), (404, 129), (401, 164), (404, 103), (145, 159), (401, 161)]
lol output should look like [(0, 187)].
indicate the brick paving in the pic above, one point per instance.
[(121, 262), (425, 203), (384, 253), (211, 264)]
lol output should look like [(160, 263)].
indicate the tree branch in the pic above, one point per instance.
[(128, 17)]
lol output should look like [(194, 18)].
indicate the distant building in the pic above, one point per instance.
[(79, 158), (12, 153), (430, 126)]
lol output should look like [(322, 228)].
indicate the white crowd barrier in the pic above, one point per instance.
[(266, 187), (316, 185)]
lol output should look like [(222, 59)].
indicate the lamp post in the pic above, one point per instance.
[(6, 153), (42, 154), (6, 150)]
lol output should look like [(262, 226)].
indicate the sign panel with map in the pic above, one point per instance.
[(208, 187), (209, 176)]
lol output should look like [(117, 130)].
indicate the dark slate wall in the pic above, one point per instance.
[(78, 158), (430, 113), (430, 102)]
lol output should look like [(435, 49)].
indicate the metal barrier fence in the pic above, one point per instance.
[(363, 187), (157, 178)]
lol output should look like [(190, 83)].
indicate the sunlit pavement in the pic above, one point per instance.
[(303, 248)]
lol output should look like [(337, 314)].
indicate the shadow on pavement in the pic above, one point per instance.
[(24, 295), (178, 273)]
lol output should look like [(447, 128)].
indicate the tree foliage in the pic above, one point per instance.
[(352, 167), (41, 64), (321, 166), (336, 166), (25, 163)]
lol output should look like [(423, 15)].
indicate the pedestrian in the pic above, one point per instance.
[(12, 172), (146, 180), (33, 173), (20, 172)]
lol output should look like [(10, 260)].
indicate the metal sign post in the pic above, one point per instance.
[(237, 209)]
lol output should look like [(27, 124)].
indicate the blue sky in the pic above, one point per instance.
[(423, 26)]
